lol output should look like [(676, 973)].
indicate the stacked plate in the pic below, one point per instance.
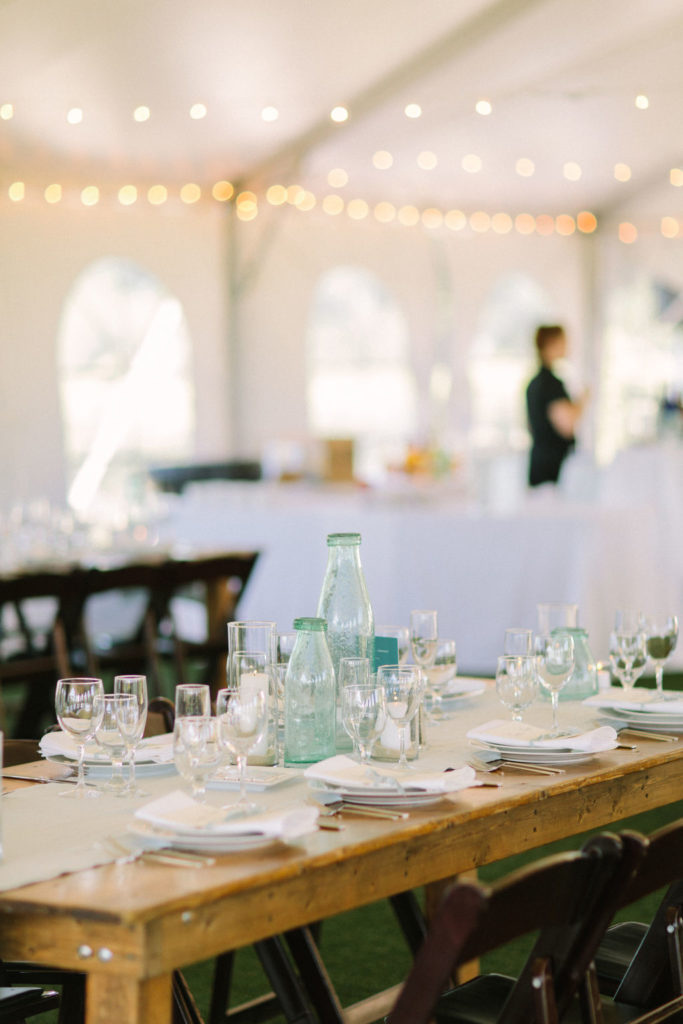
[(177, 821), (459, 690), (342, 778), (154, 756), (641, 709), (520, 741)]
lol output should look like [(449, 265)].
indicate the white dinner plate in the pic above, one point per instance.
[(100, 770), (646, 720), (397, 800), (534, 755), (204, 842)]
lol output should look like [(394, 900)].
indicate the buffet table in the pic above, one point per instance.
[(128, 925), (482, 571)]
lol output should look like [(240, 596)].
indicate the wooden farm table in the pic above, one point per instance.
[(129, 925)]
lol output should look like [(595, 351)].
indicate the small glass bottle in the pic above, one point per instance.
[(345, 605), (310, 707)]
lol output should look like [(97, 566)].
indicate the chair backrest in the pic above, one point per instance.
[(655, 974), (569, 898)]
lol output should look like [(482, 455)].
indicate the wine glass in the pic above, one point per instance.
[(78, 716), (627, 620), (516, 682), (132, 727), (363, 716), (661, 638), (111, 708), (628, 656), (353, 671), (196, 751), (401, 634), (423, 636), (241, 713), (518, 641), (192, 699), (554, 664), (440, 674), (403, 689)]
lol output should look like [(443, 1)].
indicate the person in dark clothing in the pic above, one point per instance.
[(551, 412)]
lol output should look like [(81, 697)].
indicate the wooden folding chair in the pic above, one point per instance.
[(569, 899), (641, 966)]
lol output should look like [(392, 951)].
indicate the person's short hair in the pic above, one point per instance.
[(547, 333)]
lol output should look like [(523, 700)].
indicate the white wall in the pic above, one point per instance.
[(43, 249)]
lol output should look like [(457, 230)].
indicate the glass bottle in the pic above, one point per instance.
[(345, 605), (309, 696)]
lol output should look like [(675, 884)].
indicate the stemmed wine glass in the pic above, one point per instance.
[(661, 638), (112, 708), (241, 713), (132, 726), (554, 664), (196, 750), (443, 669), (363, 716), (403, 689), (628, 656), (79, 714), (192, 699), (516, 682)]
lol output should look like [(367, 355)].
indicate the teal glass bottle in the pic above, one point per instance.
[(345, 605), (310, 696)]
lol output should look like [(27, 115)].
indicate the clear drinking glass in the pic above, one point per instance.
[(516, 682), (661, 638), (196, 751), (628, 656), (132, 729), (353, 670), (242, 715), (424, 633), (554, 664), (363, 716), (192, 699), (112, 707), (77, 714), (403, 690), (443, 670), (518, 641)]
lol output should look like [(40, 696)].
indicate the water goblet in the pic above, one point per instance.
[(132, 727), (241, 713), (196, 751), (516, 682), (443, 669), (363, 716), (423, 636), (518, 641), (403, 690), (401, 634), (628, 656), (192, 699), (554, 665), (661, 638), (77, 714), (113, 708)]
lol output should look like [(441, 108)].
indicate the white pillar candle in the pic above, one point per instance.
[(252, 683)]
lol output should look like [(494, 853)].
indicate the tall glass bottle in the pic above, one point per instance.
[(345, 605), (309, 696)]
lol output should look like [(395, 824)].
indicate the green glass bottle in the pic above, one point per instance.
[(310, 696)]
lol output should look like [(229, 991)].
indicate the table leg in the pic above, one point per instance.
[(112, 999)]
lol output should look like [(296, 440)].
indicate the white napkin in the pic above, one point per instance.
[(158, 749), (638, 700), (343, 771), (523, 734), (178, 812)]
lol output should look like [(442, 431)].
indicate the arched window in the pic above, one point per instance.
[(360, 382), (125, 382), (642, 365), (503, 359)]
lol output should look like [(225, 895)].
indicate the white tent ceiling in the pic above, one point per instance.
[(561, 76)]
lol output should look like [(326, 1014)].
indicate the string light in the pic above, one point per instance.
[(382, 160), (413, 110), (339, 115), (6, 112), (141, 114), (17, 191), (198, 111), (74, 116), (483, 107), (270, 114)]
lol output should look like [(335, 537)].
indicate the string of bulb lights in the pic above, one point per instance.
[(333, 204)]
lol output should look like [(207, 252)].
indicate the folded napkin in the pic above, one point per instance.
[(158, 749), (343, 771), (179, 813), (638, 700), (523, 734)]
